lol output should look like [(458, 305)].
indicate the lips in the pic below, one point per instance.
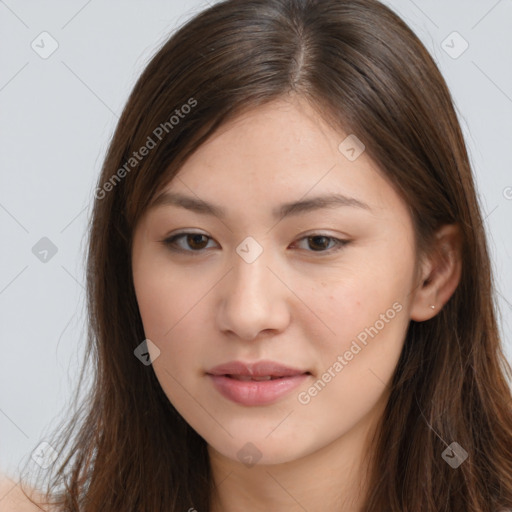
[(253, 384), (261, 370), (253, 378)]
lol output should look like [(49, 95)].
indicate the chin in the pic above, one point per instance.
[(249, 452)]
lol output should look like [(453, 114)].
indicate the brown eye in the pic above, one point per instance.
[(194, 242), (324, 244), (320, 243)]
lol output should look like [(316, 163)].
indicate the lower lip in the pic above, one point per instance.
[(261, 392)]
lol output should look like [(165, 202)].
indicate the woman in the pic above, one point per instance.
[(289, 287)]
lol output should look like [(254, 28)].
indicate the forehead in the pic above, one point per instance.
[(279, 153)]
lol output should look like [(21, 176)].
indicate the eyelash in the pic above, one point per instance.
[(170, 243)]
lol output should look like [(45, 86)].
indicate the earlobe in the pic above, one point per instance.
[(441, 274)]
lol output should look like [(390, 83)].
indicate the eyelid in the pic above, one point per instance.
[(171, 239)]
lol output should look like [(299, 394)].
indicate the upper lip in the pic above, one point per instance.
[(256, 369)]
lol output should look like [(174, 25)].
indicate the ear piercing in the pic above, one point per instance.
[(432, 306)]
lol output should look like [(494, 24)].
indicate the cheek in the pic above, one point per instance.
[(163, 299), (357, 364), (171, 306), (366, 313), (357, 303)]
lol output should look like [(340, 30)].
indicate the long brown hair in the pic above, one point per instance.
[(366, 73)]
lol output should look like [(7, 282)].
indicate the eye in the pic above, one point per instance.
[(320, 243), (193, 240), (196, 241)]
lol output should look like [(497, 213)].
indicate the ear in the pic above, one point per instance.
[(439, 274)]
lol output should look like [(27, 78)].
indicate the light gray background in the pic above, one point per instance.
[(58, 114)]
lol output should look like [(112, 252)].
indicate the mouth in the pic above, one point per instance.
[(259, 383), (248, 378), (259, 370)]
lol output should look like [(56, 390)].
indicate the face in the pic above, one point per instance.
[(325, 291)]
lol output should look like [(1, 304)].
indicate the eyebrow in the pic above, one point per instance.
[(284, 210)]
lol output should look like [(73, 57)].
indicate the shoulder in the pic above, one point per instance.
[(13, 499)]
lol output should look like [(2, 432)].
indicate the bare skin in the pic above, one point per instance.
[(300, 303), (12, 498)]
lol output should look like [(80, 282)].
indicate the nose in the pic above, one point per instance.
[(253, 300)]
